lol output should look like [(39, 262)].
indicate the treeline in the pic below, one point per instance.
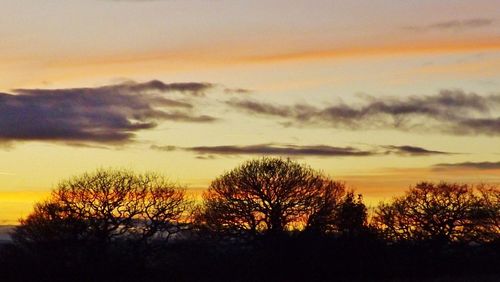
[(269, 219)]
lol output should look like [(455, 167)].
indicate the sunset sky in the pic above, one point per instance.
[(380, 94)]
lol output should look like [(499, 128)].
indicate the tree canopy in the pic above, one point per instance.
[(107, 205), (271, 196), (447, 212)]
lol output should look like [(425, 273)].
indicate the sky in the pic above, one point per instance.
[(379, 94)]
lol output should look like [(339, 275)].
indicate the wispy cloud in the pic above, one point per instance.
[(488, 44), (413, 151), (469, 165), (450, 111), (192, 88), (456, 25), (299, 150), (109, 114), (237, 91), (271, 149)]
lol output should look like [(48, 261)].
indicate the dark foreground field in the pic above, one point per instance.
[(289, 258)]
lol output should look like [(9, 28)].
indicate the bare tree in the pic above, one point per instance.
[(486, 215), (447, 212), (270, 196), (107, 205)]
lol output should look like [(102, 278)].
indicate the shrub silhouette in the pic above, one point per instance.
[(445, 212), (272, 196)]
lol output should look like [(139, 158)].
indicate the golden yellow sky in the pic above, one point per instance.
[(380, 94)]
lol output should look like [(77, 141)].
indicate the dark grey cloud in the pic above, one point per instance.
[(192, 88), (109, 114), (262, 108), (489, 126), (454, 25), (449, 111), (412, 151), (289, 150), (271, 149), (469, 165), (299, 150)]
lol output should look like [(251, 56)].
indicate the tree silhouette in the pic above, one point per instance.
[(104, 226), (337, 211), (49, 222), (107, 205), (446, 212), (270, 196), (352, 214), (486, 215)]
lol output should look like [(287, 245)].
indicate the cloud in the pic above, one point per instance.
[(262, 108), (470, 165), (271, 149), (192, 88), (206, 157), (210, 152), (489, 126), (289, 150), (454, 25), (167, 148), (109, 114), (412, 151), (237, 91), (449, 111)]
